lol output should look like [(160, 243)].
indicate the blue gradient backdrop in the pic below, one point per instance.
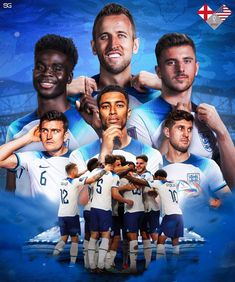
[(23, 24)]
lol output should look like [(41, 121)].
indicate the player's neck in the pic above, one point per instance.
[(59, 104), (60, 152), (125, 139), (142, 172), (122, 79), (174, 156), (173, 97)]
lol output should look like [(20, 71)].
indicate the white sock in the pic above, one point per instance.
[(133, 253), (85, 253), (97, 251), (103, 249), (73, 252), (107, 261), (155, 244), (147, 252), (113, 255), (176, 250), (58, 248), (91, 252), (161, 251), (125, 247)]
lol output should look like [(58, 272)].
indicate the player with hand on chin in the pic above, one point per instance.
[(113, 105)]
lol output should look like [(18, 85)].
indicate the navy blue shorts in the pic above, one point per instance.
[(101, 220), (172, 226), (116, 226), (87, 218), (133, 221), (151, 222), (69, 225)]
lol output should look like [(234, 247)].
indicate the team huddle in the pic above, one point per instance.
[(118, 181), (118, 148)]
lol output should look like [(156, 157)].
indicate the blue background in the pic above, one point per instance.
[(27, 21)]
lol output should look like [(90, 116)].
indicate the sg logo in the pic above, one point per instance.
[(7, 5)]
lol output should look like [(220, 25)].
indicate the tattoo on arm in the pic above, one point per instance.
[(99, 175)]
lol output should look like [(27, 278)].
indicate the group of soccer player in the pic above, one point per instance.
[(119, 181), (100, 132)]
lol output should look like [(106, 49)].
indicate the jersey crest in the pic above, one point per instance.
[(193, 178)]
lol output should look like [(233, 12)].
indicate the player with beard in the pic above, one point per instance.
[(54, 60), (151, 210), (113, 105), (201, 173), (68, 213), (177, 68), (45, 168), (114, 42)]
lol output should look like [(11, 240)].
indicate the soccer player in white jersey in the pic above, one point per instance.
[(54, 60), (68, 214), (151, 210), (101, 211), (46, 168), (167, 190), (182, 165), (113, 104), (133, 220), (172, 225), (177, 68), (114, 42), (91, 165), (120, 168)]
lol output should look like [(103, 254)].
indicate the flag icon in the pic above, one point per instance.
[(205, 12), (223, 12), (214, 21)]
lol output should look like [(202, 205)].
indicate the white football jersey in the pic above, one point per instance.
[(202, 174), (82, 155), (150, 203), (102, 190), (168, 193), (45, 172), (69, 193), (146, 121), (135, 195), (77, 128)]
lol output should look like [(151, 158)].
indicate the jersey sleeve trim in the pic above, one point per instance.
[(17, 165), (220, 187)]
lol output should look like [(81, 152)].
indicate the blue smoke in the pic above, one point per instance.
[(22, 219), (215, 261)]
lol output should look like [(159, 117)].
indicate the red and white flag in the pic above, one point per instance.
[(223, 12), (205, 12)]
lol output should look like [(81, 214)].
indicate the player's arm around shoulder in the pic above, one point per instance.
[(95, 177), (117, 196), (126, 187)]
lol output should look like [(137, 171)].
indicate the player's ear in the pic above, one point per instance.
[(93, 48), (158, 71), (166, 132), (70, 77), (197, 68), (128, 112), (66, 136), (136, 45)]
